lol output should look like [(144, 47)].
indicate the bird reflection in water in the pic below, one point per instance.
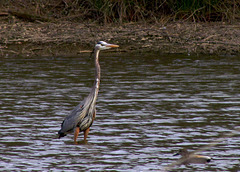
[(188, 158)]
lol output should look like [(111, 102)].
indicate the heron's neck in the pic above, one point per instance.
[(97, 70)]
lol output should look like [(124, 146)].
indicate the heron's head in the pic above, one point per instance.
[(101, 45)]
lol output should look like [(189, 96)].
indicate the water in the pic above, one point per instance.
[(148, 108)]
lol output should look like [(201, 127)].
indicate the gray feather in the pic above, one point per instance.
[(82, 115)]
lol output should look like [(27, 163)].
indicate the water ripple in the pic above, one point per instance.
[(148, 108)]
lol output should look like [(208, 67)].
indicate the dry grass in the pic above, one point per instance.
[(122, 11), (71, 26)]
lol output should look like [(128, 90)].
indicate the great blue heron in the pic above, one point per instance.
[(83, 115)]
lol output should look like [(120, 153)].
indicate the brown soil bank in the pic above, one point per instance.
[(68, 38)]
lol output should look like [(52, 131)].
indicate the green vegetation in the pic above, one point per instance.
[(120, 11)]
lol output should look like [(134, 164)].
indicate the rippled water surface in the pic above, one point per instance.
[(148, 108)]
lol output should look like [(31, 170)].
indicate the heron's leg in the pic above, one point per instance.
[(77, 130), (86, 134)]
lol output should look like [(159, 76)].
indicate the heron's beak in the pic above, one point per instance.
[(112, 45)]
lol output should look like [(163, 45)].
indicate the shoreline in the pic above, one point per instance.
[(69, 38)]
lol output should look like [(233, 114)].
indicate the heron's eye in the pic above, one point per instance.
[(100, 43)]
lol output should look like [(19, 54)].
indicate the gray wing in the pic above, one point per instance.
[(82, 115), (71, 121)]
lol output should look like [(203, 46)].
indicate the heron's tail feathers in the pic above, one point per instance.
[(60, 134)]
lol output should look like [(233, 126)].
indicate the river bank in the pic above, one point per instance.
[(68, 38)]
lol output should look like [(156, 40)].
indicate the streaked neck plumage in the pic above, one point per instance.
[(97, 71), (92, 97)]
